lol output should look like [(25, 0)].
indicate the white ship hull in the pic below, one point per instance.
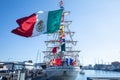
[(62, 73)]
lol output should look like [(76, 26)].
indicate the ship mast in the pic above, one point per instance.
[(61, 45), (61, 31)]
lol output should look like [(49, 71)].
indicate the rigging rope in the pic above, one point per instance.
[(70, 35)]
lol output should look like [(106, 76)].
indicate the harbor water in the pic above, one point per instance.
[(98, 73), (95, 73)]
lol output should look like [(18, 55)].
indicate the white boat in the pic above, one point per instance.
[(62, 72), (62, 60)]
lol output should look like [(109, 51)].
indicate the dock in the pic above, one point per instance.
[(103, 78), (22, 76)]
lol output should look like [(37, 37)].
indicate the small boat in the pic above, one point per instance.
[(82, 72)]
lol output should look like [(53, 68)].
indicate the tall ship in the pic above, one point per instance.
[(61, 57)]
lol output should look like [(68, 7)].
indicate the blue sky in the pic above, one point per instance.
[(95, 22)]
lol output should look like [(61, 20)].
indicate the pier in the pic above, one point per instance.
[(103, 78), (21, 76), (20, 71)]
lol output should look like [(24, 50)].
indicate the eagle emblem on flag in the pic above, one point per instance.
[(40, 26)]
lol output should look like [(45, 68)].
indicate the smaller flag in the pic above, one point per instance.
[(58, 61), (63, 40), (53, 61), (61, 32), (67, 61), (54, 50), (61, 37), (75, 63), (63, 47), (61, 4), (71, 61)]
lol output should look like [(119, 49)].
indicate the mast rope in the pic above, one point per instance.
[(70, 35)]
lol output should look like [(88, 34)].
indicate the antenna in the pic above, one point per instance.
[(37, 56)]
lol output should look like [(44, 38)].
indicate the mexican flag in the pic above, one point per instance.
[(39, 23)]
